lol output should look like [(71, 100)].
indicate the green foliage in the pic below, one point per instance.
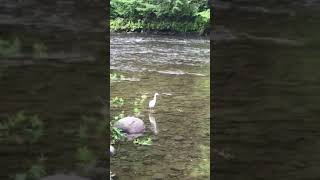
[(84, 155), (9, 48), (154, 15), (117, 102), (116, 77), (34, 173), (145, 141), (39, 50), (27, 128), (21, 177), (138, 104), (203, 21), (119, 116), (117, 135), (139, 101)]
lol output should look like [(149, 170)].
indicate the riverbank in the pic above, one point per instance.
[(161, 27), (188, 35), (176, 17)]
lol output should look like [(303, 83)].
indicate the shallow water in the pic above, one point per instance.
[(266, 92), (53, 69), (178, 69)]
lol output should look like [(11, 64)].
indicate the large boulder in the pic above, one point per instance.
[(131, 125)]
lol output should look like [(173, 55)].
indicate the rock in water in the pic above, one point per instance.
[(131, 125)]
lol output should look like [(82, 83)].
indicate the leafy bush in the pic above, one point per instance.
[(166, 15)]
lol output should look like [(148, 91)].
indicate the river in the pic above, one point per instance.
[(178, 68), (266, 90), (52, 64)]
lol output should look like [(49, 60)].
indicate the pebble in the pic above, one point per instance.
[(179, 167), (178, 138)]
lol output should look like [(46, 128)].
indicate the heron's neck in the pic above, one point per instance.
[(155, 97)]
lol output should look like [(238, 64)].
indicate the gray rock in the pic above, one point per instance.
[(178, 167), (178, 138), (131, 125)]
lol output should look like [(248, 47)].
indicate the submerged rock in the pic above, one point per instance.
[(131, 125), (178, 138)]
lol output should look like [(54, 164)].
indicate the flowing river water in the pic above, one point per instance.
[(266, 90), (178, 68), (266, 66), (52, 64)]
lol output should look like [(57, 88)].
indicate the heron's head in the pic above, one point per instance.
[(156, 94)]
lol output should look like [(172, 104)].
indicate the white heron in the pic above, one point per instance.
[(152, 103)]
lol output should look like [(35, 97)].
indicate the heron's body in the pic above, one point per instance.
[(152, 103)]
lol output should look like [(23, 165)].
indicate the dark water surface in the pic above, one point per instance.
[(178, 69), (266, 86), (52, 64)]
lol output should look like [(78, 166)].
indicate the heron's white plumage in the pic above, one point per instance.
[(152, 103)]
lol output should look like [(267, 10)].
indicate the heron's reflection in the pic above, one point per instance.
[(153, 123)]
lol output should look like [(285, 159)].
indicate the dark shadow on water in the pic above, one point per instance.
[(266, 94), (52, 65)]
